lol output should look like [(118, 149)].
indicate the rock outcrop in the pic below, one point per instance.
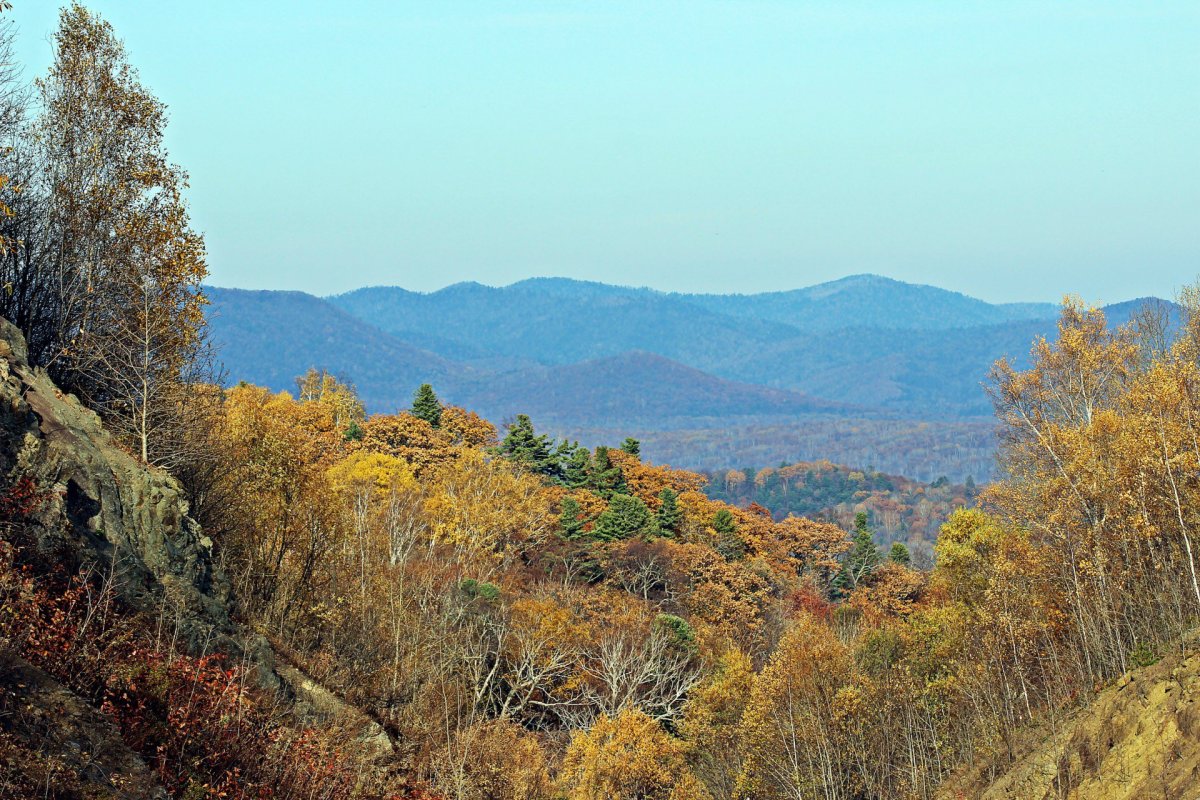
[(105, 508)]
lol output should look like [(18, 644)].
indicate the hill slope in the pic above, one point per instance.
[(270, 338), (633, 388), (1137, 739), (554, 321), (749, 372), (872, 301)]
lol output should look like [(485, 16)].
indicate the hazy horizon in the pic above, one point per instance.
[(1172, 295), (1012, 152)]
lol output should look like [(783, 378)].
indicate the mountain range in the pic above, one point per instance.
[(593, 359)]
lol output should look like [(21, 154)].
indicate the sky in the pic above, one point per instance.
[(1010, 150)]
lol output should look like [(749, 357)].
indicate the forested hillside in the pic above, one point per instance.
[(865, 353), (212, 589), (898, 509)]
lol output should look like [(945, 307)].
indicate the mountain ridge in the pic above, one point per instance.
[(862, 347)]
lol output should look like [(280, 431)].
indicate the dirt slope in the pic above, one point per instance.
[(1138, 739)]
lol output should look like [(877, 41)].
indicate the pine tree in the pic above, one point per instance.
[(632, 446), (624, 518), (606, 478), (570, 520), (576, 462), (426, 405), (729, 544), (862, 559), (899, 554), (524, 446), (669, 515)]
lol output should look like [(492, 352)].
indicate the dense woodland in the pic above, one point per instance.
[(528, 618), (898, 509)]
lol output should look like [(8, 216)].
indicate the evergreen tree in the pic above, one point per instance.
[(862, 559), (606, 478), (729, 544), (570, 521), (522, 445), (970, 486), (632, 446), (899, 554), (669, 515), (576, 463), (625, 517), (426, 405)]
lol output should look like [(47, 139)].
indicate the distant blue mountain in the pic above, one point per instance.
[(871, 301), (588, 355)]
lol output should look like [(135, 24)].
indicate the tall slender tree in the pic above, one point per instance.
[(669, 514), (124, 263)]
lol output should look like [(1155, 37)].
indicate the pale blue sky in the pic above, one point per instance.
[(1011, 150)]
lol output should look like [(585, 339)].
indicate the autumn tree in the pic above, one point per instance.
[(795, 742), (487, 506), (1098, 443), (319, 386), (405, 436), (712, 723), (467, 428), (627, 757), (494, 760), (128, 267)]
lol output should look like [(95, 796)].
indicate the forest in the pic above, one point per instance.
[(520, 617), (898, 509)]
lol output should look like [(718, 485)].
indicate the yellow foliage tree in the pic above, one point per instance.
[(407, 437), (487, 505), (466, 428), (793, 723), (628, 757), (712, 722)]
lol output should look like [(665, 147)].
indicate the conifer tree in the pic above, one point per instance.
[(570, 520), (861, 560), (426, 405), (632, 446), (576, 462), (899, 554), (669, 515), (606, 478), (524, 446), (729, 544), (624, 518)]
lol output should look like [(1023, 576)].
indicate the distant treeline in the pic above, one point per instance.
[(898, 509)]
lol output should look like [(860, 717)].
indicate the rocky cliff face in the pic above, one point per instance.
[(104, 507)]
